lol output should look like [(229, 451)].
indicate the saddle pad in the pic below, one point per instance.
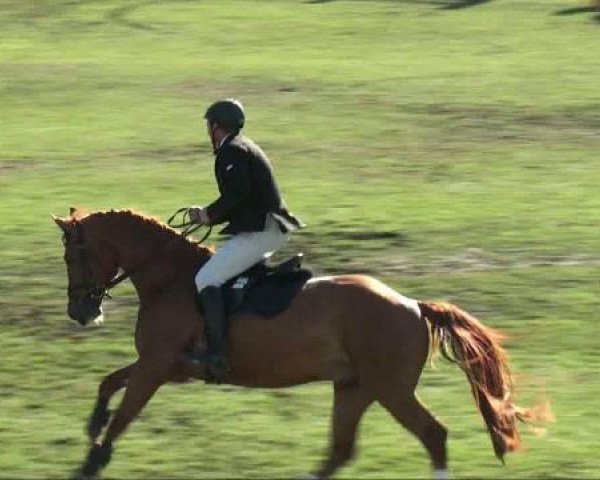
[(270, 296)]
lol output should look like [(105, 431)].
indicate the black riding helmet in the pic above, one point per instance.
[(228, 113)]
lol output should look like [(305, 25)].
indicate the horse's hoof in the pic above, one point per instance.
[(79, 475), (98, 457)]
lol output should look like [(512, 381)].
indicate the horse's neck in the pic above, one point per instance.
[(126, 236), (140, 248)]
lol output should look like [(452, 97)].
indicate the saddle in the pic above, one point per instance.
[(265, 290)]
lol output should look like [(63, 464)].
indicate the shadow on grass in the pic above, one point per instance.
[(580, 10), (442, 4), (575, 11), (120, 15), (463, 4)]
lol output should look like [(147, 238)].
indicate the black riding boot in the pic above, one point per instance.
[(210, 302)]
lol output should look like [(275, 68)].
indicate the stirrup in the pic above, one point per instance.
[(197, 357), (216, 368), (216, 371)]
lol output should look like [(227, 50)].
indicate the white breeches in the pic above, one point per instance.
[(239, 253)]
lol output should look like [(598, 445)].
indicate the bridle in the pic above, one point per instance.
[(99, 292), (92, 289)]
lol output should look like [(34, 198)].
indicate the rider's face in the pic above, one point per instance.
[(210, 128), (215, 133)]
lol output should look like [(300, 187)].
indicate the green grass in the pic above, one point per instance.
[(452, 153)]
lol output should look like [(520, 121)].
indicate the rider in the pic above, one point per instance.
[(259, 222)]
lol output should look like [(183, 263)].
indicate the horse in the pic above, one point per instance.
[(352, 330)]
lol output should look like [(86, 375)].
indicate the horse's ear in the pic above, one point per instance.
[(63, 224), (77, 212)]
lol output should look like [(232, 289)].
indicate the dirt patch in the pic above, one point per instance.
[(340, 234), (503, 122), (169, 153), (337, 247), (477, 260), (246, 88), (8, 167), (514, 123)]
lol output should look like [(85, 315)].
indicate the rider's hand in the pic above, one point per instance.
[(198, 215)]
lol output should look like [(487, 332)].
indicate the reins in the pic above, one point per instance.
[(188, 227)]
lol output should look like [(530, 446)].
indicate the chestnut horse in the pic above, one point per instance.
[(352, 330)]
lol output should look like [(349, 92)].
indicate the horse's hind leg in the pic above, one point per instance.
[(108, 387), (349, 404), (415, 417)]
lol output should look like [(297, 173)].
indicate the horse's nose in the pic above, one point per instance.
[(75, 313), (71, 312)]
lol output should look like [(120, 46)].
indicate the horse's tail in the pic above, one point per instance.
[(463, 340)]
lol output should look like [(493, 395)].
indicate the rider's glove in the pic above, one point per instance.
[(199, 216)]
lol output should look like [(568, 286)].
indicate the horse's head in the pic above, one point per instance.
[(89, 268)]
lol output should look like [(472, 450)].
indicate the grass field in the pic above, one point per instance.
[(449, 148)]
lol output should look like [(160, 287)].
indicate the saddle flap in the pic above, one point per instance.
[(266, 290), (289, 265)]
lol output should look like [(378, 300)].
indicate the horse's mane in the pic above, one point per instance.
[(147, 223)]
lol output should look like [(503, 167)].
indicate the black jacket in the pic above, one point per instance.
[(248, 189)]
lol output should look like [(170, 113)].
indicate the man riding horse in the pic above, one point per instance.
[(259, 222), (353, 331)]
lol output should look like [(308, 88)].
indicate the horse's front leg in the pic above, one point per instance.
[(145, 377), (108, 387)]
